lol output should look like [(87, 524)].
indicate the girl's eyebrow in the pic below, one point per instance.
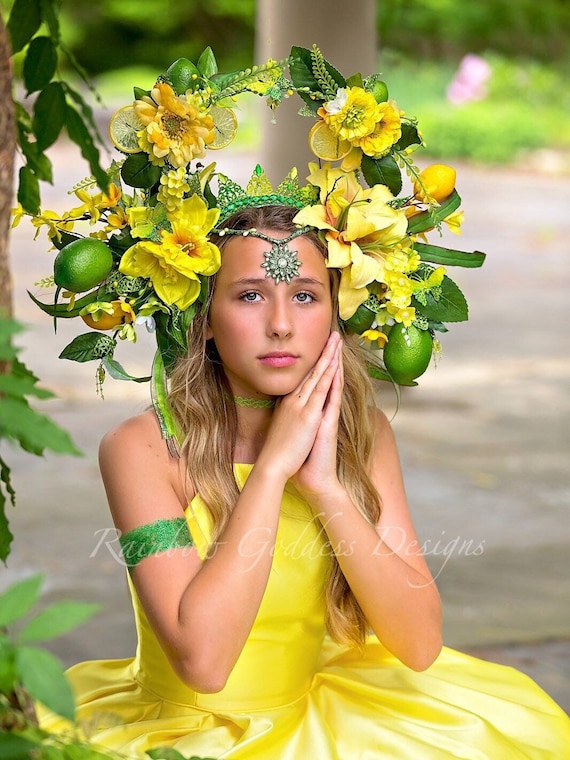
[(312, 281)]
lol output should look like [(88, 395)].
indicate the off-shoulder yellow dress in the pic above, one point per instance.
[(296, 695)]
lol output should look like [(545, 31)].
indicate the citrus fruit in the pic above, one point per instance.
[(361, 320), (407, 353), (182, 75), (109, 321), (380, 91), (225, 127), (325, 144), (123, 129), (438, 181), (82, 264)]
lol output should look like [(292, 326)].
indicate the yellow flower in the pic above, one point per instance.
[(177, 129), (361, 230), (375, 336), (174, 264), (404, 315), (140, 221), (454, 222), (352, 114), (387, 131), (55, 224)]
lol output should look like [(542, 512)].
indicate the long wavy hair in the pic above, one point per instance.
[(201, 400)]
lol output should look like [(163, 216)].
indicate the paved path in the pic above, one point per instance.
[(484, 441)]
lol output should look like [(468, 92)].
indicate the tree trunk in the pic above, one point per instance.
[(346, 34), (7, 149)]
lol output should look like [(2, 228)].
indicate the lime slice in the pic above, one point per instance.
[(225, 127), (325, 144), (123, 129)]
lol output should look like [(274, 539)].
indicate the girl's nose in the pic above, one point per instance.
[(280, 323)]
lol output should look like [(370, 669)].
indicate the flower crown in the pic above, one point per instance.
[(146, 254)]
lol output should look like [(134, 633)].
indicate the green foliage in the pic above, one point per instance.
[(20, 423), (52, 110)]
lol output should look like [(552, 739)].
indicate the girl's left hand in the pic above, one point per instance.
[(317, 477)]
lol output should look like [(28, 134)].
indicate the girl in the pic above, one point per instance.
[(282, 606)]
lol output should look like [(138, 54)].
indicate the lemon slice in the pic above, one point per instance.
[(123, 129), (225, 127), (326, 145)]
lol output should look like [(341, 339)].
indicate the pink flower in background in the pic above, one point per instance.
[(469, 81)]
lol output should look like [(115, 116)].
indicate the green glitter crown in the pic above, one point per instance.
[(260, 192)]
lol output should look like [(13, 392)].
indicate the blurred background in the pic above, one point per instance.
[(484, 437)]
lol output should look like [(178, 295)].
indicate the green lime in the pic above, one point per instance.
[(407, 353), (182, 75), (82, 264), (380, 91)]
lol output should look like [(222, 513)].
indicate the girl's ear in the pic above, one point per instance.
[(209, 332)]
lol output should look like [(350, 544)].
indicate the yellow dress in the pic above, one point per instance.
[(296, 695)]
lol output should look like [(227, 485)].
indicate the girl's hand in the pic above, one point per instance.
[(299, 415), (318, 476)]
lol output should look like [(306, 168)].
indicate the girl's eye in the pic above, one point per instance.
[(305, 297), (251, 296)]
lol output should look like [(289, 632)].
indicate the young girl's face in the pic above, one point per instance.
[(269, 335)]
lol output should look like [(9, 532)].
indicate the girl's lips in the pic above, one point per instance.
[(278, 360)]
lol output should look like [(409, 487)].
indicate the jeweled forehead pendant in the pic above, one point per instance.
[(281, 262)]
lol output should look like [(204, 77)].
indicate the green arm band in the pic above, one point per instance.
[(154, 538)]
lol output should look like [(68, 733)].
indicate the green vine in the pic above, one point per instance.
[(325, 81)]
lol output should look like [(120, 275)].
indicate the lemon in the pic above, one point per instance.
[(109, 321), (182, 75), (438, 181), (225, 127), (380, 91), (123, 129), (325, 144), (407, 353), (82, 264)]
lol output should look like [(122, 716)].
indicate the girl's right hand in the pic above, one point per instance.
[(298, 415)]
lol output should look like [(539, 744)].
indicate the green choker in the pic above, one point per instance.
[(254, 403)]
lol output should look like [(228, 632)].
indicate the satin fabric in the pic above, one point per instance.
[(296, 695)]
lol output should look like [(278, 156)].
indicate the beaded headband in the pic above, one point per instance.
[(141, 252)]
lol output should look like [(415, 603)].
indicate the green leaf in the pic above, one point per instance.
[(449, 256), (50, 17), (382, 171), (57, 619), (207, 65), (8, 675), (29, 191), (301, 71), (86, 112), (24, 22), (6, 536), (79, 134), (137, 171), (429, 219), (451, 305), (43, 677), (61, 310), (410, 136), (15, 747), (36, 160), (88, 346), (49, 114), (19, 598), (117, 371), (19, 387), (40, 63), (165, 753), (33, 431)]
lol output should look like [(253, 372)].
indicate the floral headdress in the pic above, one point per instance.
[(146, 254)]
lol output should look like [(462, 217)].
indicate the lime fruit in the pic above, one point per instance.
[(225, 127), (109, 321), (182, 75), (407, 353), (123, 129), (437, 182), (326, 145), (380, 91), (81, 265)]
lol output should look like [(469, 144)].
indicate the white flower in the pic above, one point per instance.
[(148, 322), (336, 105)]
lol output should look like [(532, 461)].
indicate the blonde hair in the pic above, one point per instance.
[(201, 400)]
